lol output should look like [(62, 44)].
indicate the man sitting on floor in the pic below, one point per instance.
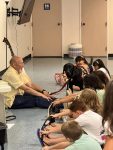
[(24, 93)]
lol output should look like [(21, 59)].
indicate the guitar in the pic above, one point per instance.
[(5, 40)]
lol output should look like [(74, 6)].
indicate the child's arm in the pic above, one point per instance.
[(109, 143), (65, 99), (60, 146), (52, 129), (63, 113), (76, 88), (47, 148)]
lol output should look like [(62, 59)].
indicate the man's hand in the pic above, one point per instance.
[(46, 97), (47, 94)]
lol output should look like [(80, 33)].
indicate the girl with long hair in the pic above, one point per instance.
[(99, 65)]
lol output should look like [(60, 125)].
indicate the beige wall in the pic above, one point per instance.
[(110, 34), (70, 23), (19, 35), (110, 26)]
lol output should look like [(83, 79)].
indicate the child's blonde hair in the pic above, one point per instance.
[(90, 98)]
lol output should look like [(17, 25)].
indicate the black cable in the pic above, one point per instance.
[(10, 117)]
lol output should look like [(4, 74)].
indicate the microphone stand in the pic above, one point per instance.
[(7, 2)]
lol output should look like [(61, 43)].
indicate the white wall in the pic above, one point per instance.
[(110, 34), (22, 36), (2, 34), (19, 36), (70, 23)]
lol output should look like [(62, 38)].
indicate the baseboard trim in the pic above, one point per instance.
[(95, 56), (110, 56), (66, 55), (47, 56), (26, 58)]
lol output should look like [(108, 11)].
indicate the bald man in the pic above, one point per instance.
[(24, 93)]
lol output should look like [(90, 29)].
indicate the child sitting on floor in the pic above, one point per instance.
[(77, 139), (90, 122)]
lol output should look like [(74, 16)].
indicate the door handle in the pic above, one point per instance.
[(59, 24), (83, 23)]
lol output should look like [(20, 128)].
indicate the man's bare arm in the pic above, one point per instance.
[(29, 90), (36, 87), (39, 89)]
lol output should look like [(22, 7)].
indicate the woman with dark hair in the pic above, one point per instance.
[(102, 76), (78, 60), (82, 62), (61, 78), (108, 115), (72, 75), (99, 65), (68, 69), (76, 79), (92, 81)]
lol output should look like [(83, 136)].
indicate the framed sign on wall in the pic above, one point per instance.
[(46, 6)]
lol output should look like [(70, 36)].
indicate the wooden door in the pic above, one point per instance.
[(47, 28), (94, 27)]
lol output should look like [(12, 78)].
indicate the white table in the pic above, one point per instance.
[(4, 87)]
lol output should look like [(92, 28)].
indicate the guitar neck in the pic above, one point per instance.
[(5, 40), (12, 53)]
